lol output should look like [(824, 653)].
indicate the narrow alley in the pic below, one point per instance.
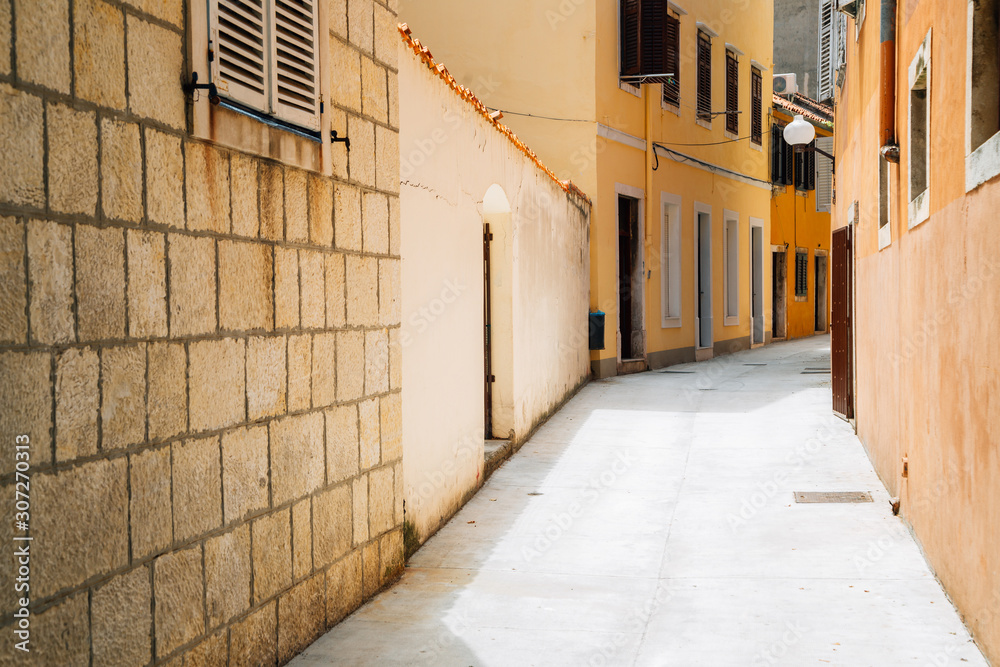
[(653, 521)]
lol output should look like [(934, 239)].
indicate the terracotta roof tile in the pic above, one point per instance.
[(442, 72), (810, 109)]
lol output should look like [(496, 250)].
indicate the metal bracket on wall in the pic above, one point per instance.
[(193, 85), (344, 140)]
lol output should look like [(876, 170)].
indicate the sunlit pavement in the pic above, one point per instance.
[(652, 521)]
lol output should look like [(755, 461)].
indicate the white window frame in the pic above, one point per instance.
[(918, 209), (671, 305), (731, 267), (983, 163), (242, 131), (884, 203)]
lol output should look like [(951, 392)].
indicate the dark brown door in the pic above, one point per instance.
[(842, 325), (626, 220), (487, 332)]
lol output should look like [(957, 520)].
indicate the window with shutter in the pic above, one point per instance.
[(757, 106), (653, 41), (239, 35), (805, 168), (267, 57), (824, 176), (777, 156), (704, 77), (801, 274), (629, 37), (732, 93), (296, 36), (827, 51), (672, 89)]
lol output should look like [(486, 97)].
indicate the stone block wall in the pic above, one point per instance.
[(201, 344)]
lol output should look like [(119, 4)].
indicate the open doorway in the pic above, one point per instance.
[(757, 279), (630, 280), (703, 234), (779, 285), (820, 297)]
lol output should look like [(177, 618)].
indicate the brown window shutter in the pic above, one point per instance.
[(789, 160), (630, 37), (652, 39), (704, 77), (757, 104), (732, 92), (672, 35)]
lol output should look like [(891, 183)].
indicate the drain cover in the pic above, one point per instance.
[(679, 372), (755, 364), (832, 497)]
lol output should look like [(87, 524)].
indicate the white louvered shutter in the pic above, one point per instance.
[(827, 50), (295, 58), (239, 42), (824, 176)]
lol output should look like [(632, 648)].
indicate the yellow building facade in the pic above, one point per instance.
[(921, 87), (680, 263), (800, 223)]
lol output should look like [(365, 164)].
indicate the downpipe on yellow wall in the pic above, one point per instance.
[(648, 236)]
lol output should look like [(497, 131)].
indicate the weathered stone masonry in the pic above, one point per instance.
[(202, 345)]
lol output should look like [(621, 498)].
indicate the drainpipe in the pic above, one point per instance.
[(889, 147), (648, 89)]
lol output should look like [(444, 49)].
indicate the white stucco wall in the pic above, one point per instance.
[(450, 156)]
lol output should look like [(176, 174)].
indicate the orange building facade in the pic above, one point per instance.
[(801, 197), (918, 157)]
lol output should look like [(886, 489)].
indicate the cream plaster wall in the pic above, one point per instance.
[(451, 156)]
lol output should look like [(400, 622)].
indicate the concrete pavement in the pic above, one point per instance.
[(652, 522)]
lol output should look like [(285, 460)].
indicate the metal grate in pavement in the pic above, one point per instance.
[(679, 372), (833, 497)]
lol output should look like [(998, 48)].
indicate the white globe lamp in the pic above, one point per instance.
[(799, 132)]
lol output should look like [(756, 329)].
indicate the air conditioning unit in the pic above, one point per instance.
[(849, 7), (785, 84)]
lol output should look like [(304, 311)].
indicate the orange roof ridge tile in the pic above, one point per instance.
[(466, 94)]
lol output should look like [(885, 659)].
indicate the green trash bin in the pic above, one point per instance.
[(597, 331)]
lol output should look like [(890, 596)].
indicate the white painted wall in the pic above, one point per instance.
[(450, 156)]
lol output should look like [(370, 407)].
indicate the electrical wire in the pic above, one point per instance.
[(667, 143), (531, 115), (714, 143), (680, 157)]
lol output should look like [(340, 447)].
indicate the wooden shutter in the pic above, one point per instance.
[(732, 93), (756, 106), (827, 51), (652, 41), (629, 37), (801, 274), (704, 77), (824, 176), (672, 35), (777, 158), (295, 86), (238, 33), (805, 168), (789, 154)]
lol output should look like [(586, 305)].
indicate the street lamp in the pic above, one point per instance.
[(799, 134)]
